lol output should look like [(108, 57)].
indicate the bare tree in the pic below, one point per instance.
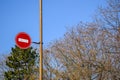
[(110, 17), (82, 54), (3, 66), (88, 51)]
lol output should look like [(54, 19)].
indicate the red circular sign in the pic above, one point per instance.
[(23, 40)]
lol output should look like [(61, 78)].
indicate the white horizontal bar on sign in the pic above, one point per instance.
[(22, 40)]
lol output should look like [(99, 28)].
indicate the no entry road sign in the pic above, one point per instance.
[(23, 40)]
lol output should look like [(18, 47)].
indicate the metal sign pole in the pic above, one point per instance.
[(41, 45)]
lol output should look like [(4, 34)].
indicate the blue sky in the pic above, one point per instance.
[(23, 16)]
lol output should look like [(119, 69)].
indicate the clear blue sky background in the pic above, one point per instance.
[(23, 16)]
